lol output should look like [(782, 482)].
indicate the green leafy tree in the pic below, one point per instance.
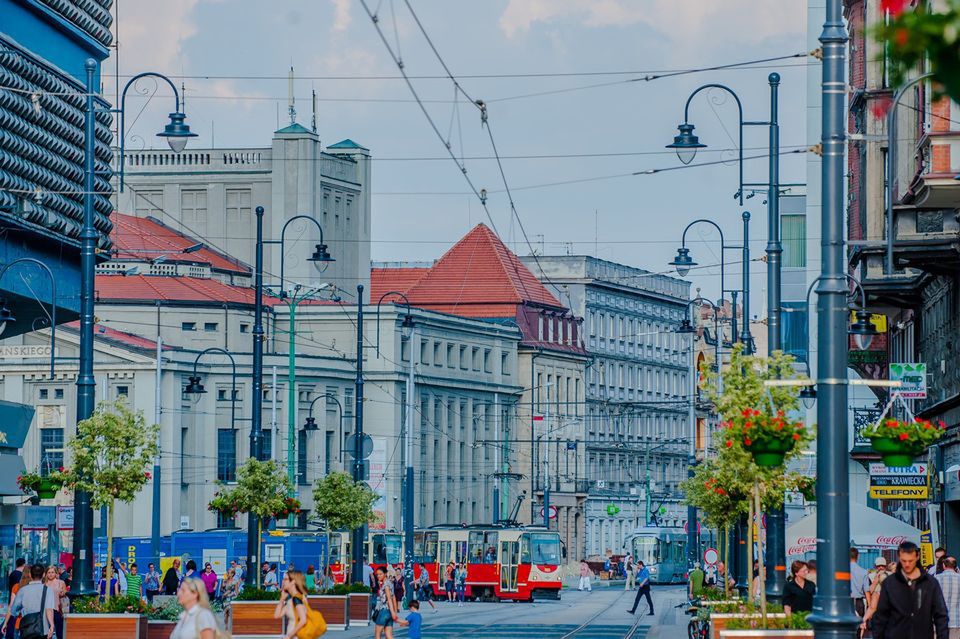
[(262, 489), (342, 503), (111, 452)]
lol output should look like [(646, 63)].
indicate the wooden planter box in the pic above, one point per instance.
[(333, 608), (255, 619), (160, 629), (120, 626), (779, 634), (358, 608), (718, 621)]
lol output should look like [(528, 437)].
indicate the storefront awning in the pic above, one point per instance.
[(869, 528)]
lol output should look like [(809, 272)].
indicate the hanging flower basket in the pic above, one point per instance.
[(899, 442), (48, 488), (769, 438), (44, 486)]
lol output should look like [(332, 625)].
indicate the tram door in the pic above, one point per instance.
[(509, 558)]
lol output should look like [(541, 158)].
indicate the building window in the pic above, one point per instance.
[(44, 394), (424, 352), (437, 351), (464, 358), (794, 329), (405, 350), (148, 203), (58, 393), (210, 327), (225, 522), (450, 353), (244, 328), (267, 443), (487, 365), (193, 205), (51, 449), (188, 326), (302, 458), (238, 204), (226, 454), (504, 363), (123, 391), (794, 234)]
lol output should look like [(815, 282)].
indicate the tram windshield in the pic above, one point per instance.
[(425, 546), (386, 549), (645, 549), (544, 548)]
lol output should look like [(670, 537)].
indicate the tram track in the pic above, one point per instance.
[(585, 626)]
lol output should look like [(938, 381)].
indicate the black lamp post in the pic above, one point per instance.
[(310, 423), (195, 387)]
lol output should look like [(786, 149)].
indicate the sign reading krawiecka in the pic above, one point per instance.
[(912, 378), (899, 482)]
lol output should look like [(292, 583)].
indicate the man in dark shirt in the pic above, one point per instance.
[(911, 601), (16, 575)]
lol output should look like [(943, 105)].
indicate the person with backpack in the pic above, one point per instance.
[(302, 622), (35, 602), (197, 620)]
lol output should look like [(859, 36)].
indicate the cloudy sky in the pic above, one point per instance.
[(233, 57)]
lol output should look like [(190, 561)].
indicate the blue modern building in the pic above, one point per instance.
[(44, 45)]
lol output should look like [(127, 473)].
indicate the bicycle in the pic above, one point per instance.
[(697, 628)]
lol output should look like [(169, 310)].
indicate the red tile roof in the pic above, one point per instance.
[(146, 238), (480, 277), (111, 334), (383, 280), (150, 288)]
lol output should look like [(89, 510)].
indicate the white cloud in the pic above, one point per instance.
[(341, 15), (748, 19)]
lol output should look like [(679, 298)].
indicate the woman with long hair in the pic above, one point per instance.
[(51, 579), (229, 590), (196, 621), (7, 629), (799, 591), (385, 610), (293, 602)]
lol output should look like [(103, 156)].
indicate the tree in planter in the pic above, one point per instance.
[(262, 489), (731, 484), (111, 452), (343, 504)]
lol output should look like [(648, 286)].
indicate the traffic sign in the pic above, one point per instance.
[(711, 557), (366, 445), (553, 512), (686, 527)]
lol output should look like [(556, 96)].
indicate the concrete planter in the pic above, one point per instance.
[(333, 608), (358, 608), (119, 626), (255, 619), (718, 621), (779, 634), (160, 629)]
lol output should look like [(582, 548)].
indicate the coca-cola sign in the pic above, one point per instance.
[(800, 549), (890, 541)]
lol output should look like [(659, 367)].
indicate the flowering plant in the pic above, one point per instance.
[(224, 504), (291, 506), (912, 436), (757, 429), (29, 482), (913, 37)]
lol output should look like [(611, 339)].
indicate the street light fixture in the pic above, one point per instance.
[(686, 143), (683, 262), (177, 132), (194, 387), (862, 329)]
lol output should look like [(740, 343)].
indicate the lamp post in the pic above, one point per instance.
[(292, 299), (833, 614), (359, 464), (177, 134), (407, 330), (310, 423), (686, 144), (195, 387), (683, 262)]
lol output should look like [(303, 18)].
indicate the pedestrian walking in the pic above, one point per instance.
[(10, 629), (294, 606), (950, 585), (695, 581), (584, 576), (385, 610), (270, 581), (34, 603), (51, 579), (424, 589), (911, 601), (798, 592), (938, 554), (859, 583), (197, 620), (16, 574), (460, 577), (630, 582), (414, 621), (449, 582), (171, 578), (229, 590), (368, 576), (209, 579), (643, 581), (151, 582)]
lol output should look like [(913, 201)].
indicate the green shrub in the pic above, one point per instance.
[(796, 621), (169, 612), (358, 587), (113, 606), (258, 594)]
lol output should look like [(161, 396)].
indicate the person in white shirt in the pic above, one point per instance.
[(197, 620)]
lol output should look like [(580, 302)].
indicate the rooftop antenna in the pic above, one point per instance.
[(291, 109), (314, 120)]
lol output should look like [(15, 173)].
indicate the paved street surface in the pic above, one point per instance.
[(601, 614)]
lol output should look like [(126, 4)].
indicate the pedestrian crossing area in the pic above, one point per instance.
[(525, 631)]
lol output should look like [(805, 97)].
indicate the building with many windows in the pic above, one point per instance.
[(636, 432)]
